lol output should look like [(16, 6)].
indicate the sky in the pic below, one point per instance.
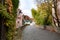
[(26, 6)]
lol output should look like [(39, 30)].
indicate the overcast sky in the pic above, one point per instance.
[(26, 6)]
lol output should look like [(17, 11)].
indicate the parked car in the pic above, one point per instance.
[(27, 22)]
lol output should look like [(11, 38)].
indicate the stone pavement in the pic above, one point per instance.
[(34, 33)]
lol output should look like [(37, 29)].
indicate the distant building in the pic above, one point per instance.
[(19, 18)]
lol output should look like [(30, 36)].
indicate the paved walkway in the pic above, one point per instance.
[(34, 33)]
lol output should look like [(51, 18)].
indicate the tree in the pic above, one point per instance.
[(36, 16), (57, 18), (43, 14), (46, 6), (57, 14)]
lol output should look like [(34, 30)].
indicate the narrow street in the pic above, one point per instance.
[(34, 33), (29, 19)]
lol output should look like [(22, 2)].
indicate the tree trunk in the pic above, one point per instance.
[(55, 7)]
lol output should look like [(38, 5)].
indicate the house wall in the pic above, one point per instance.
[(19, 19), (58, 8)]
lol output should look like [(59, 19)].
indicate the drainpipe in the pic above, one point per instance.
[(2, 2), (2, 28)]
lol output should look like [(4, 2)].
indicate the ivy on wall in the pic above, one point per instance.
[(9, 20)]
